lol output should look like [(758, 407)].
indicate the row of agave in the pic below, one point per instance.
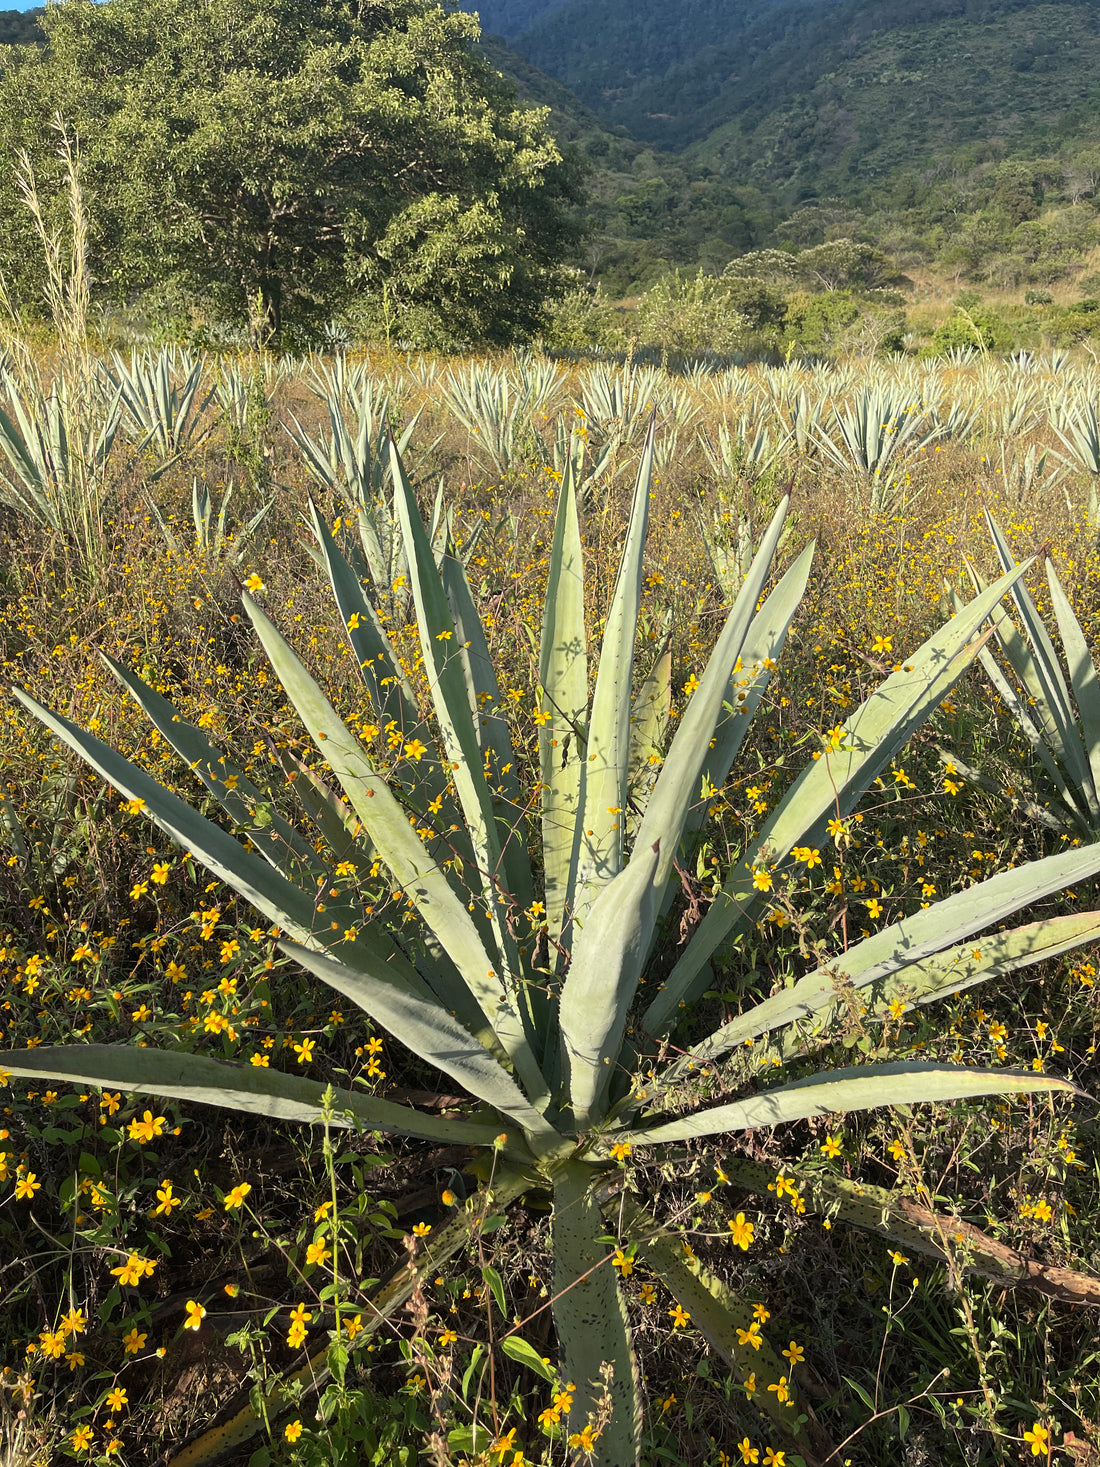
[(558, 1044), (56, 436)]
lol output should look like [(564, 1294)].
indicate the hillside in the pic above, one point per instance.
[(964, 136), (646, 210), (802, 97), (18, 27)]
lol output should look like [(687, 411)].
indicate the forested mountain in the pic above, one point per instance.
[(646, 209), (513, 17), (801, 97), (17, 27)]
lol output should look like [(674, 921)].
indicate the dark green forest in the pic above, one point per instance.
[(18, 27), (962, 134)]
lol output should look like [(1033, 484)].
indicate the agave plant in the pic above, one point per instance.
[(1079, 429), (158, 395), (541, 381), (618, 402), (567, 453), (1058, 715), (494, 409), (749, 448), (957, 421), (1025, 472), (356, 467), (801, 415), (1012, 415), (57, 442), (874, 431), (337, 379), (244, 389), (521, 980), (962, 356), (213, 541)]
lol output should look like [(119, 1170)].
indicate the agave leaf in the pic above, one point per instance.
[(1041, 674), (1031, 713), (413, 1015), (714, 1309), (1036, 733), (251, 1088), (280, 900), (1082, 675), (649, 721), (762, 645), (14, 443), (606, 771), (344, 833), (423, 782), (250, 808), (563, 683), (912, 946), (833, 1091), (1026, 808), (294, 909), (678, 782), (443, 664), (760, 650), (447, 682), (590, 1317), (1056, 690), (608, 953), (414, 868), (333, 817), (943, 975), (9, 820), (379, 667), (834, 783), (492, 732)]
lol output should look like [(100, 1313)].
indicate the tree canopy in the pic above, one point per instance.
[(282, 160)]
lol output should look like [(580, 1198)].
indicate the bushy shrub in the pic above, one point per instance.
[(974, 326), (819, 323), (584, 320), (762, 304), (687, 315), (1073, 324)]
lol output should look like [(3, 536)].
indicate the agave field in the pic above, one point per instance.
[(548, 910)]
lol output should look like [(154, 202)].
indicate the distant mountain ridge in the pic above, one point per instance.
[(800, 97), (17, 27)]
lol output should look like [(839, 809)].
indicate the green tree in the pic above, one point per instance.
[(844, 264), (272, 159), (976, 327), (820, 323), (686, 314)]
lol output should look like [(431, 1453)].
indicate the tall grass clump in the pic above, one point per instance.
[(59, 427)]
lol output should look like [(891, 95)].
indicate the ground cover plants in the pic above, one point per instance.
[(597, 1211)]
